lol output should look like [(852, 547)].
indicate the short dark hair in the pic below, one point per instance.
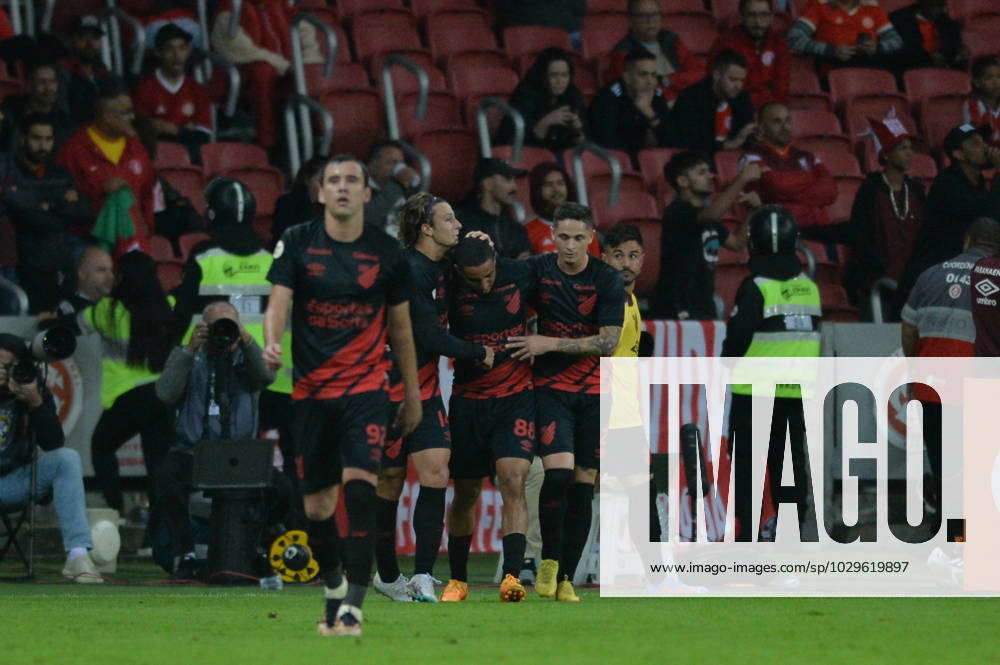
[(632, 5), (984, 233), (727, 59), (40, 64), (619, 234), (25, 124), (638, 55), (347, 157), (471, 252), (108, 89), (569, 210), (382, 144), (743, 4), (981, 64), (767, 107), (681, 163)]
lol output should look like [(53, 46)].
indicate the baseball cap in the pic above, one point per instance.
[(86, 23), (171, 31), (491, 166), (958, 135)]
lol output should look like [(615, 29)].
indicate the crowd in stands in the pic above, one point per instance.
[(876, 123)]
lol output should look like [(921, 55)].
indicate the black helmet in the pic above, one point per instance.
[(229, 202), (773, 230)]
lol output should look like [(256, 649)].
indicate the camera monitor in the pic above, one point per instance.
[(232, 463)]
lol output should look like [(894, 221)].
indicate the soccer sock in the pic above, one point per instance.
[(359, 497), (385, 539), (428, 523), (514, 545), (458, 556), (334, 597), (579, 510), (324, 541), (552, 510)]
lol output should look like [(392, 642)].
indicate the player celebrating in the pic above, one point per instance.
[(580, 305), (492, 411), (350, 283), (428, 228), (623, 251)]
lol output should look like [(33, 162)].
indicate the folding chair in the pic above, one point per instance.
[(22, 516)]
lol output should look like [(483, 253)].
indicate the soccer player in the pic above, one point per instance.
[(580, 302), (347, 284), (623, 251), (428, 228), (492, 410)]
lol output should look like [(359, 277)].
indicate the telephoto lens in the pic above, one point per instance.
[(222, 334), (24, 371)]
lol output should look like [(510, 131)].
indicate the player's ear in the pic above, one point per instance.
[(367, 195)]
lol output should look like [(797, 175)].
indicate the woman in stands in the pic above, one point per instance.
[(551, 104)]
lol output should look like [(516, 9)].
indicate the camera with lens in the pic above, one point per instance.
[(222, 334), (56, 343)]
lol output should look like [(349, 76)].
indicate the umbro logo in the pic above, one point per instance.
[(986, 287)]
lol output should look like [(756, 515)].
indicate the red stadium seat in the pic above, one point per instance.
[(727, 282), (170, 154), (188, 181), (847, 189), (404, 83), (170, 275), (802, 76), (851, 82), (383, 32), (934, 82), (696, 31), (266, 184), (524, 40), (839, 162), (189, 241), (453, 155), (443, 112), (161, 250), (727, 165), (630, 205), (473, 74), (825, 144), (346, 76), (831, 260), (423, 8), (594, 165), (835, 304), (815, 123), (939, 115), (923, 168), (651, 230), (987, 23), (980, 44), (531, 156), (219, 157), (600, 33), (348, 8), (651, 163), (449, 33), (679, 7), (358, 119), (960, 9)]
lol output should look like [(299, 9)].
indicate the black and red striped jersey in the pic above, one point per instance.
[(339, 307), (489, 320), (574, 306)]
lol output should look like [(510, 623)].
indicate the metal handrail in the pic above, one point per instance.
[(810, 258), (422, 161), (485, 147), (389, 93), (519, 214), (202, 8), (233, 92), (15, 16), (49, 14), (298, 66), (112, 18), (883, 284), (296, 153), (29, 16), (22, 297), (234, 18), (581, 180)]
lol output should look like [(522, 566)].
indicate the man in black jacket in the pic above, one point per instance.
[(43, 203), (631, 113), (28, 417), (41, 97), (930, 37), (716, 113), (485, 209)]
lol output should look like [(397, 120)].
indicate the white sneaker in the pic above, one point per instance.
[(398, 590), (82, 570), (421, 587)]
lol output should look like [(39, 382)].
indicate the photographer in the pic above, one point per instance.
[(28, 417), (216, 379)]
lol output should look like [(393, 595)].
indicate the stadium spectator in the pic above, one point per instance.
[(563, 14), (261, 46), (550, 188), (301, 202), (28, 412), (485, 210), (677, 68), (392, 182), (178, 106), (631, 113), (716, 113), (189, 377), (95, 278), (959, 195), (844, 33), (42, 203), (550, 102), (930, 37), (113, 170), (692, 236), (887, 214), (41, 97), (83, 72), (983, 105), (986, 307), (765, 50), (793, 178)]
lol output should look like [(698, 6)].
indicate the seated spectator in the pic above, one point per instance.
[(551, 104), (95, 277), (485, 210), (110, 166), (562, 14), (844, 33), (631, 113), (83, 72), (205, 412), (765, 50), (930, 37), (178, 106), (43, 204), (41, 98), (550, 188), (794, 179), (301, 202), (262, 47), (28, 412), (391, 182), (716, 113), (677, 68), (983, 105), (692, 235), (886, 217)]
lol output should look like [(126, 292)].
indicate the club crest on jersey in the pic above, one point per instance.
[(586, 304), (367, 275), (513, 302)]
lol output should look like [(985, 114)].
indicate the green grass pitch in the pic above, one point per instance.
[(149, 623)]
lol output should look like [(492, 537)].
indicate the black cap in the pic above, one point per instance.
[(492, 166), (957, 136), (86, 23), (171, 31)]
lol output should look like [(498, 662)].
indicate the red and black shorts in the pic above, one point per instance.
[(432, 432), (486, 430), (569, 423), (334, 434)]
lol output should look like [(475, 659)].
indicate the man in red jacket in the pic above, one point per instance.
[(768, 59), (792, 178), (105, 156)]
